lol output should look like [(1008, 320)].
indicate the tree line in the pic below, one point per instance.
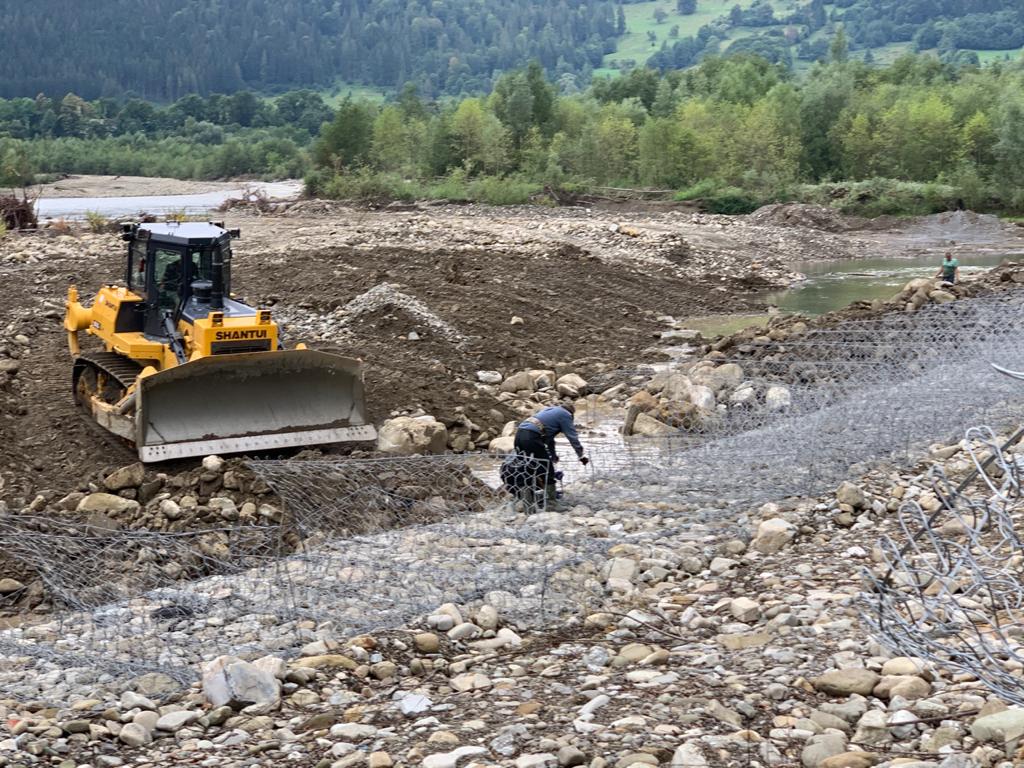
[(215, 136), (738, 123)]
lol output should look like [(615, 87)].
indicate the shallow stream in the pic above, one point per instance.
[(833, 284)]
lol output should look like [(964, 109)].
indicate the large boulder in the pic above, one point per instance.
[(843, 682), (641, 402), (727, 376), (650, 427), (778, 398), (677, 388), (131, 476), (1002, 727), (702, 397), (502, 445), (518, 382), (542, 379), (848, 493), (106, 503), (407, 435), (227, 680), (773, 535), (920, 284), (571, 385)]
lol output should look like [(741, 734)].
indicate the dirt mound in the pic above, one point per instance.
[(802, 215), (962, 227)]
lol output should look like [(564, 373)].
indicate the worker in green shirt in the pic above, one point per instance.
[(950, 269)]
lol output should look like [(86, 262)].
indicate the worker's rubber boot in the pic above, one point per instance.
[(551, 501)]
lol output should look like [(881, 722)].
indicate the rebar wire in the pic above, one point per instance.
[(953, 594)]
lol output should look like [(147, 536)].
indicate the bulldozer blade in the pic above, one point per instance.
[(250, 402)]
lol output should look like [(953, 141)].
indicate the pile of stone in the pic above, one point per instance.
[(421, 433), (216, 493), (699, 397), (521, 392)]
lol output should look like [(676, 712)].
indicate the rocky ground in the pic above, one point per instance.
[(685, 645)]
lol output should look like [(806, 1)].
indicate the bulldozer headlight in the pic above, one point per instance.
[(216, 319), (263, 317)]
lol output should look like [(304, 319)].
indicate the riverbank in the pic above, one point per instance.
[(685, 612)]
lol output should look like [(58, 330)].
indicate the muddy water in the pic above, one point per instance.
[(75, 208)]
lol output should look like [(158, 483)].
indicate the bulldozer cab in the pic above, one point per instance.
[(170, 264)]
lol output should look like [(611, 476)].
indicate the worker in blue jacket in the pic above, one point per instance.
[(535, 438)]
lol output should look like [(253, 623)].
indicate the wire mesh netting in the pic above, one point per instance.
[(950, 591), (858, 393), (374, 543), (366, 544)]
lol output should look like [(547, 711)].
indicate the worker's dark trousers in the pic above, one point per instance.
[(532, 444)]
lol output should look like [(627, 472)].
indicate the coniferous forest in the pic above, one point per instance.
[(165, 49)]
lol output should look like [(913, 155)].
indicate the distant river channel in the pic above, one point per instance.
[(76, 208)]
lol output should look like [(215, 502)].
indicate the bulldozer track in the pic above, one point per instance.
[(120, 369)]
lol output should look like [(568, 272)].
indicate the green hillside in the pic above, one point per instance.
[(798, 33)]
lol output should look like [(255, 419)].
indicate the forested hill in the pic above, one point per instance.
[(787, 31), (164, 49)]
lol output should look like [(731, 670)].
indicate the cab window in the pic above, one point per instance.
[(201, 261), (167, 276), (137, 270)]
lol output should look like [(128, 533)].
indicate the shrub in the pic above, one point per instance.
[(731, 201), (889, 197), (97, 222), (701, 189), (452, 187), (364, 184), (502, 191)]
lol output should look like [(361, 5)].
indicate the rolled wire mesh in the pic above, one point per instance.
[(950, 589)]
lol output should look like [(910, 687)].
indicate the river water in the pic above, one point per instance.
[(833, 284), (76, 208)]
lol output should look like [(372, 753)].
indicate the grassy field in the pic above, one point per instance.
[(988, 57), (341, 91), (636, 45)]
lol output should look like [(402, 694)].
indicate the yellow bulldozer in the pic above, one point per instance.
[(187, 370)]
